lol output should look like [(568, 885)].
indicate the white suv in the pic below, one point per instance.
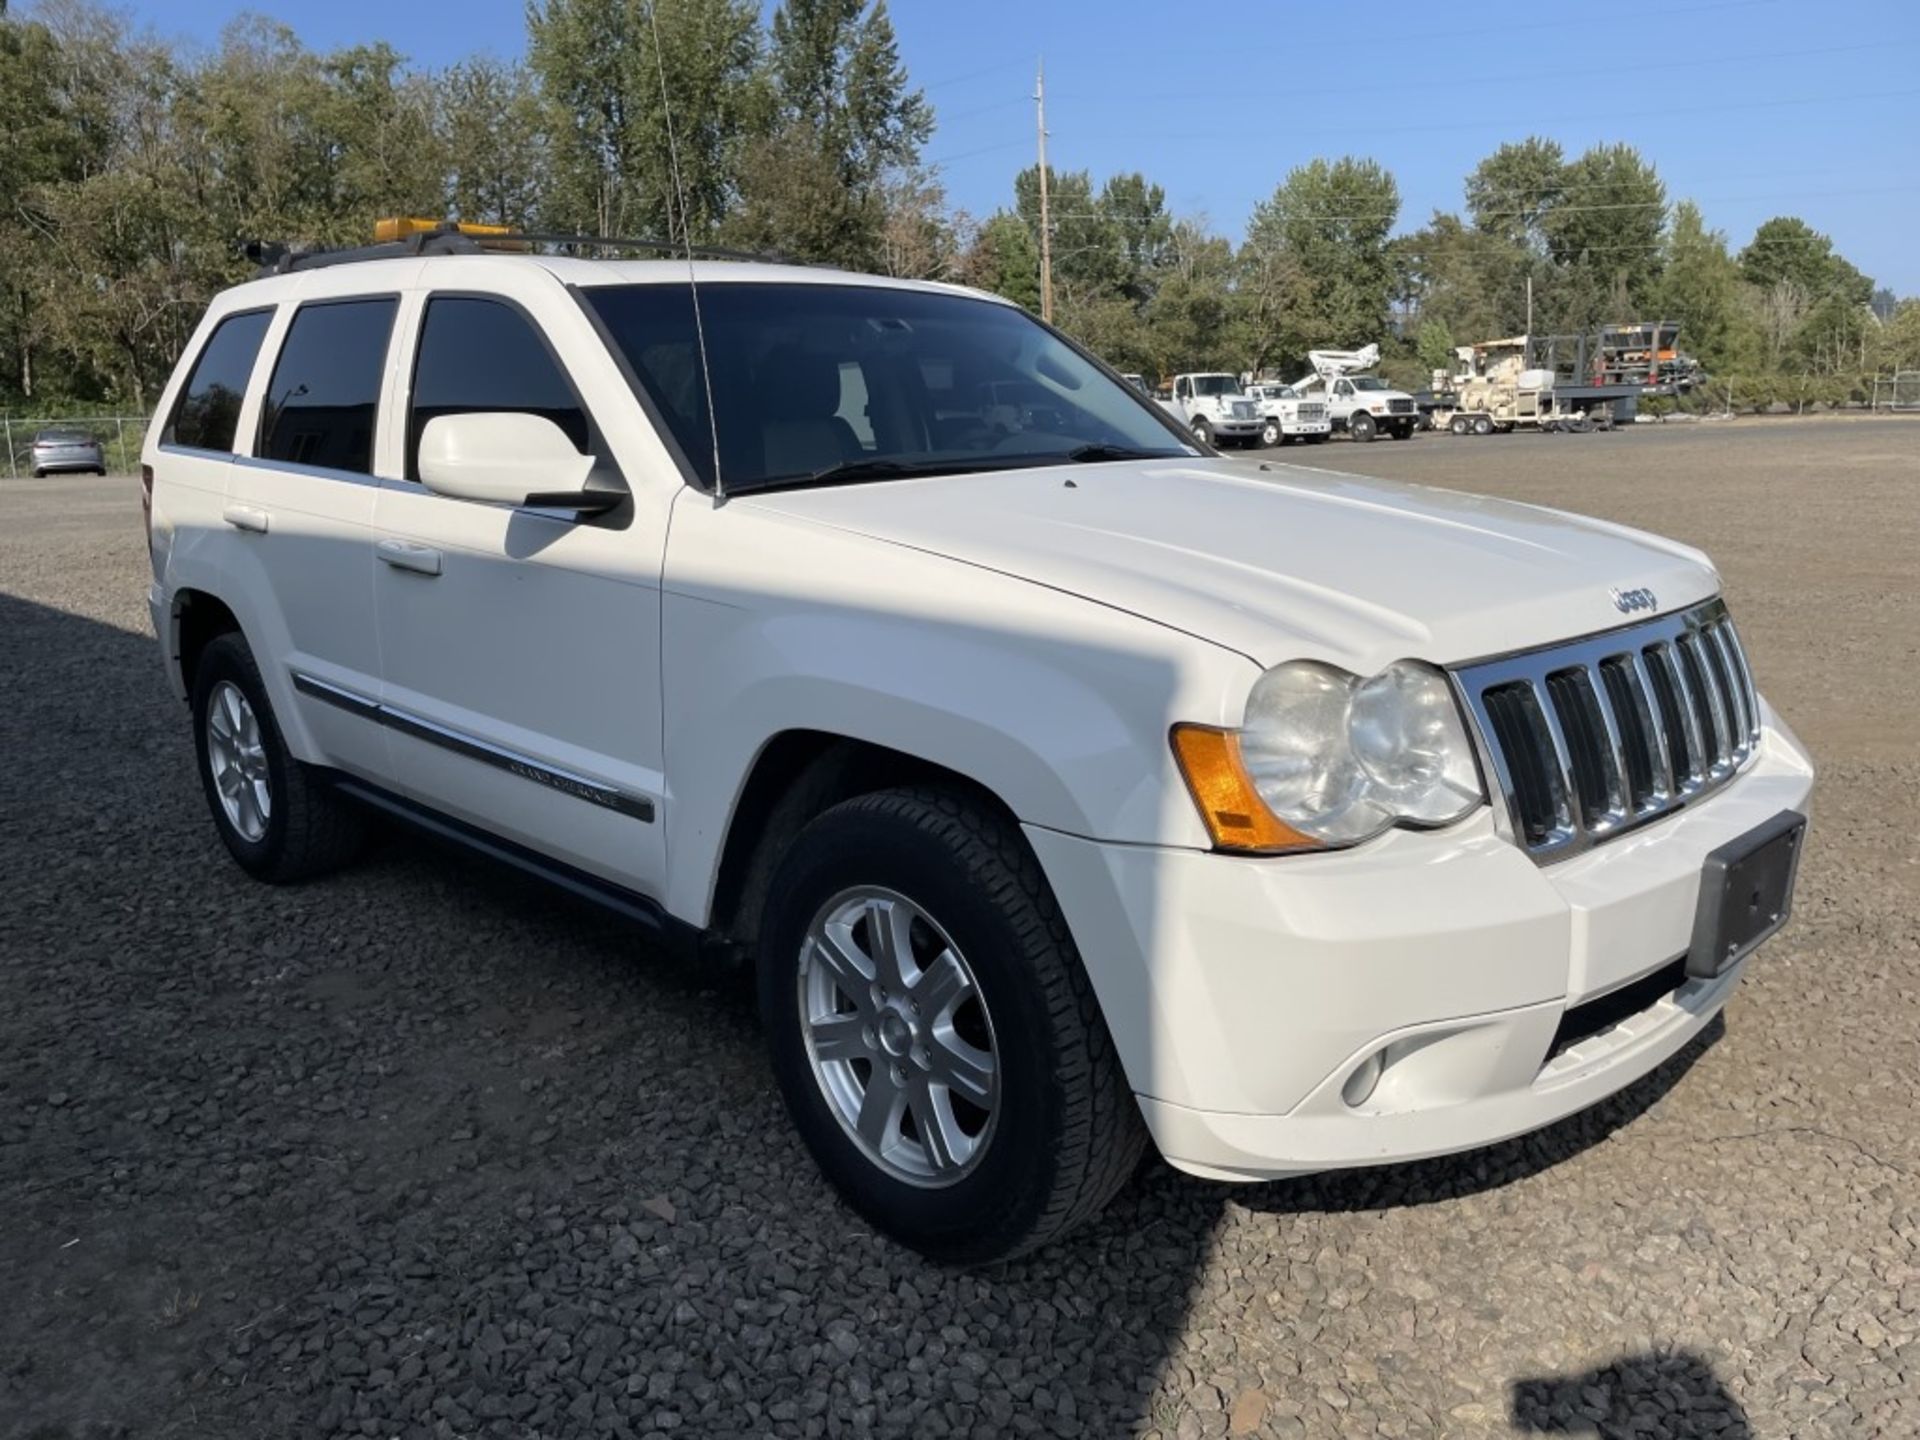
[(1067, 785)]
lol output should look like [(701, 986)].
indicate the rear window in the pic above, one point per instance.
[(325, 393), (208, 411)]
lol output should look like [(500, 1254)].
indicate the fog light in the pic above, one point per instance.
[(1365, 1076)]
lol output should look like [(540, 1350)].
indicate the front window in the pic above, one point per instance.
[(840, 382), (1368, 382), (1215, 385)]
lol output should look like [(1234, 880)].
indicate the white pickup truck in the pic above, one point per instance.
[(1286, 417), (1215, 408), (1067, 790)]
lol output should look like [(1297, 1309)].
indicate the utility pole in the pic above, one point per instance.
[(1046, 221), (1529, 310)]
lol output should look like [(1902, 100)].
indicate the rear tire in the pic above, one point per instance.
[(1482, 425), (1058, 1131), (278, 819)]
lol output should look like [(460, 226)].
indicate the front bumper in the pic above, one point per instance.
[(1305, 427), (1242, 993)]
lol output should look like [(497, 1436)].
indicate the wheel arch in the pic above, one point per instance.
[(797, 776), (198, 617)]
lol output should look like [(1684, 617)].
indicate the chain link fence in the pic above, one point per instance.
[(1898, 391), (120, 437)]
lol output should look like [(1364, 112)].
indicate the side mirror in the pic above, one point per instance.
[(508, 458)]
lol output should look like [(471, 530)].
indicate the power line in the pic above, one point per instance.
[(1852, 97), (1555, 209)]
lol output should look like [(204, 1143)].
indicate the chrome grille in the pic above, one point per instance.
[(1399, 407), (1589, 739)]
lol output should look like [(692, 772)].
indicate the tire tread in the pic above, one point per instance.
[(1103, 1136)]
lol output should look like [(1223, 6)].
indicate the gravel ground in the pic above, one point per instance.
[(425, 1151)]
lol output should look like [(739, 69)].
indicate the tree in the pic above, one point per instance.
[(1605, 232), (1191, 321), (493, 143), (839, 138), (1322, 240), (1434, 346), (835, 67), (1700, 288), (1787, 248), (625, 115), (1005, 259), (1471, 281), (1511, 192)]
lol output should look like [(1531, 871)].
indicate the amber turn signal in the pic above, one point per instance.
[(1231, 808)]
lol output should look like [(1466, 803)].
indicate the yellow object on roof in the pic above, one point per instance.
[(399, 227)]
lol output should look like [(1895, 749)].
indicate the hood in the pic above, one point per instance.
[(1281, 562)]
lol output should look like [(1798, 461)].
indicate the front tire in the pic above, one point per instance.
[(1203, 432), (279, 820), (1361, 427), (1270, 433), (933, 1032)]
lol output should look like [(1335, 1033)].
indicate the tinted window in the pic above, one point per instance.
[(811, 378), (208, 410), (481, 355), (325, 390)]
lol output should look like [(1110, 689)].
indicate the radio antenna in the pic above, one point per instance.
[(686, 235)]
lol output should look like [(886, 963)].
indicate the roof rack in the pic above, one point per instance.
[(400, 239)]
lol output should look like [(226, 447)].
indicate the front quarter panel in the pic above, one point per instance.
[(1058, 705)]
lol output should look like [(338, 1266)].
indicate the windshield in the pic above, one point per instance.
[(1368, 382), (1215, 385), (869, 382)]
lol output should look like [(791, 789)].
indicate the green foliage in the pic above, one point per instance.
[(1700, 288), (1320, 246), (131, 174), (626, 115), (1511, 192), (1434, 346)]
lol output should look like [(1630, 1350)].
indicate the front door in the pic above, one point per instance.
[(521, 647)]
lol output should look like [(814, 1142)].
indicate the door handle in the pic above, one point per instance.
[(420, 559), (245, 517)]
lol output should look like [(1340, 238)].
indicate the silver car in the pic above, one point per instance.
[(66, 451)]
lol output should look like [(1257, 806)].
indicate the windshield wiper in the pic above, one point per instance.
[(852, 472), (1092, 454)]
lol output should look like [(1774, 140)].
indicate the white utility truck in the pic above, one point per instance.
[(1285, 417), (1362, 405), (1215, 409)]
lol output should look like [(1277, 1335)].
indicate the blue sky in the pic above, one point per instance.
[(1752, 107)]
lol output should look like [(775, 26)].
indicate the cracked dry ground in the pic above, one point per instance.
[(425, 1151)]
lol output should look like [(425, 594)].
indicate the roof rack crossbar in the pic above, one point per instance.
[(276, 259)]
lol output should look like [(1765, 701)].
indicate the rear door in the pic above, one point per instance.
[(302, 504), (522, 646)]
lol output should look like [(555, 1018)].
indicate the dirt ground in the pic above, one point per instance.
[(423, 1151)]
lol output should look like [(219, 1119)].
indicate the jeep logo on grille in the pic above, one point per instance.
[(1629, 602)]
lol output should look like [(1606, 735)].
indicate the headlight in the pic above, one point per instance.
[(1326, 759)]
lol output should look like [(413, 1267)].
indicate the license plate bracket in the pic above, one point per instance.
[(1746, 893)]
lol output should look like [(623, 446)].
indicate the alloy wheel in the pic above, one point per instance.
[(898, 1036), (238, 760)]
